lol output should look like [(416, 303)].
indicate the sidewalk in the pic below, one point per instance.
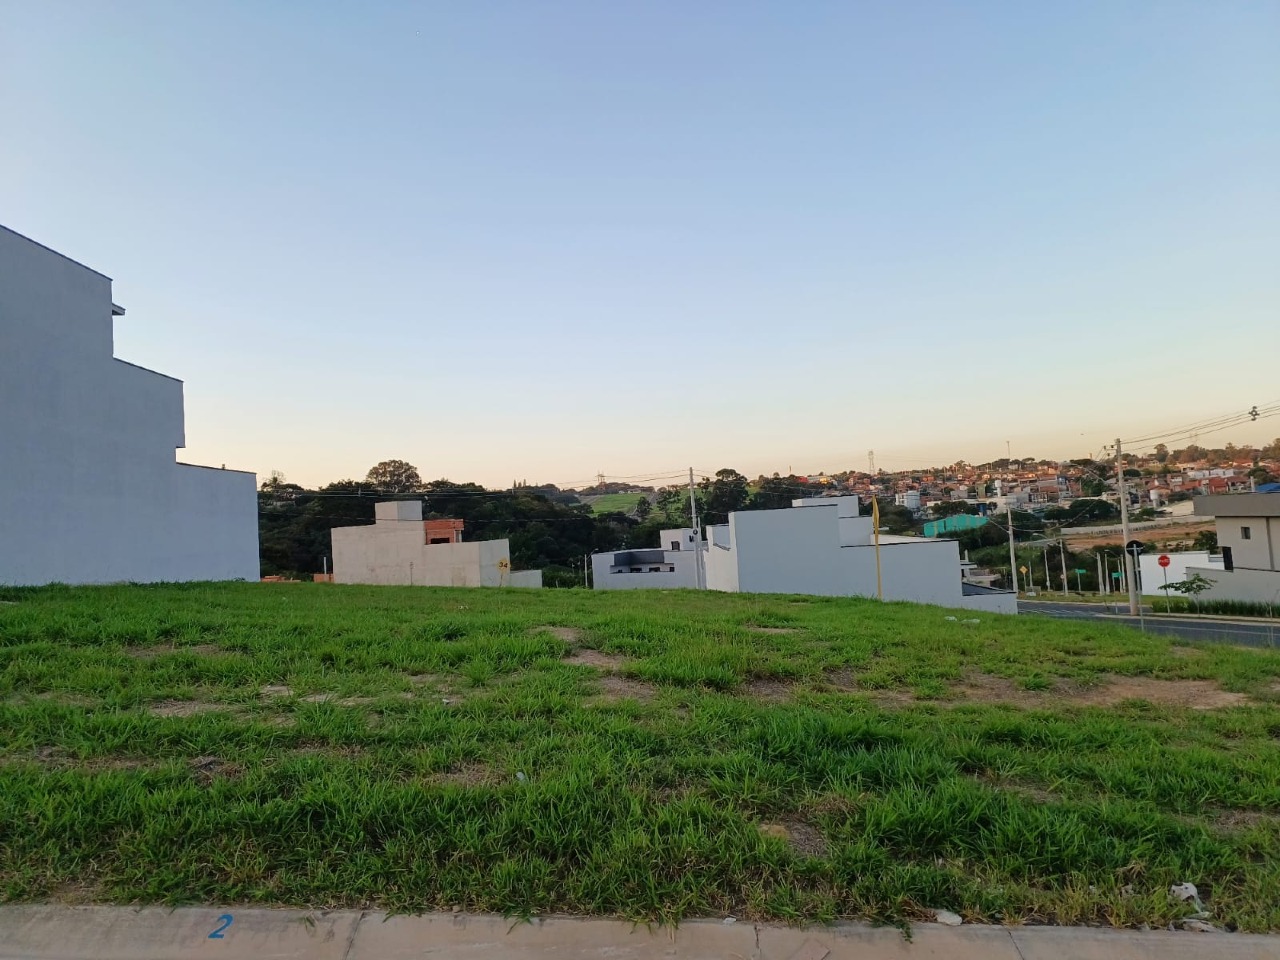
[(41, 932)]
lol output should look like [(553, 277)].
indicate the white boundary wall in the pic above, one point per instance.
[(89, 488)]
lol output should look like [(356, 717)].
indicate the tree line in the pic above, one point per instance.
[(549, 529)]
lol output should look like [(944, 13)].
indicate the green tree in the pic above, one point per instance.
[(643, 509), (1162, 453), (1192, 587), (776, 493), (729, 491), (394, 476), (951, 508), (1206, 540)]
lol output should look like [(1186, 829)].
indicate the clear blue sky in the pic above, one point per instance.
[(539, 240)]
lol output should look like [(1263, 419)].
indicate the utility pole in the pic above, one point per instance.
[(875, 532), (697, 534), (1101, 582), (1062, 552), (1048, 581), (1013, 557), (1130, 576)]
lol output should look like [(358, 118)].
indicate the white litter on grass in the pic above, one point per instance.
[(948, 918), (520, 776), (952, 619), (729, 920), (1184, 891), (970, 621)]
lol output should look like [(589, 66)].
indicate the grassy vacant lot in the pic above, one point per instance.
[(641, 754), (616, 502)]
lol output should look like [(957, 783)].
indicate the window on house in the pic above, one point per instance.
[(675, 544), (1246, 533), (636, 570), (655, 569)]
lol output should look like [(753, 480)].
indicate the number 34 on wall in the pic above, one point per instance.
[(219, 932)]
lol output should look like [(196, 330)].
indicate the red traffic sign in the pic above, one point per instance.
[(1164, 560)]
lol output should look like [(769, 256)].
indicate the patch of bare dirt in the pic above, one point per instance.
[(567, 634), (1185, 652), (1191, 694), (186, 708), (275, 691), (594, 658), (76, 892), (208, 769), (57, 757), (282, 720), (150, 653), (614, 687), (771, 630), (803, 838), (1242, 819), (1028, 790), (335, 699), (426, 679), (771, 691)]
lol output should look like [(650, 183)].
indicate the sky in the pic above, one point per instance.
[(542, 240)]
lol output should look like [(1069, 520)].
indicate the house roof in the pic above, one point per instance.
[(1239, 505)]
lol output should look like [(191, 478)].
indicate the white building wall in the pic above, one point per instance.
[(721, 561), (788, 551), (394, 552), (90, 491), (1259, 552), (1152, 577), (1251, 586), (685, 575), (1005, 603)]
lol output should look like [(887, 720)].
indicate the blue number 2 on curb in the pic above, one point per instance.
[(217, 933)]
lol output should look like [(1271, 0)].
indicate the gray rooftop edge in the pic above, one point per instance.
[(1238, 505)]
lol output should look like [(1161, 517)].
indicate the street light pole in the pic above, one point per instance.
[(1013, 557), (1129, 560)]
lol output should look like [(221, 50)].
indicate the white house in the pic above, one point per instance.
[(399, 547), (1248, 527), (672, 565), (823, 546), (90, 490)]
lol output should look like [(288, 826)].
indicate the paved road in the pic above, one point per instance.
[(1222, 631)]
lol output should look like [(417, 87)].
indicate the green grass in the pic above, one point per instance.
[(616, 502), (387, 773)]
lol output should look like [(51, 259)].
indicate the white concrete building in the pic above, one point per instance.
[(909, 499), (1248, 527), (90, 491), (672, 565), (823, 546), (399, 547), (1152, 577)]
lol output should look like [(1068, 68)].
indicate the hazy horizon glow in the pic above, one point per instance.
[(541, 241)]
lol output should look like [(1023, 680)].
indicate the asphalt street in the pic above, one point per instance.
[(1259, 634)]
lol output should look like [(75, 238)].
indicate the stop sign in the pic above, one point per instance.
[(1164, 560)]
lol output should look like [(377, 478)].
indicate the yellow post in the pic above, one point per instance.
[(875, 528)]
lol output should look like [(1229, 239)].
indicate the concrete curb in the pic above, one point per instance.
[(50, 932)]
